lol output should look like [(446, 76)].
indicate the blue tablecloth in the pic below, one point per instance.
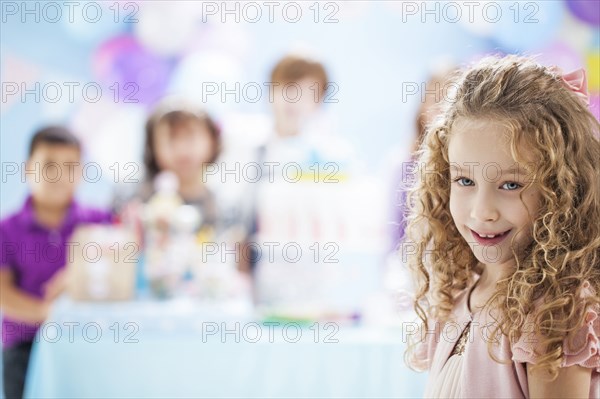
[(183, 348)]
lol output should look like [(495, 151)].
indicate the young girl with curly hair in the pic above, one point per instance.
[(505, 227)]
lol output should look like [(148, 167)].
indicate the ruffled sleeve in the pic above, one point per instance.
[(581, 348)]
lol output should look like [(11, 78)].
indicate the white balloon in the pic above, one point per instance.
[(165, 28), (577, 35), (200, 74), (112, 132)]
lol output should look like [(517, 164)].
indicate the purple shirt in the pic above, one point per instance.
[(34, 253)]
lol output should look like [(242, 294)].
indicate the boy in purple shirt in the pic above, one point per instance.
[(33, 246)]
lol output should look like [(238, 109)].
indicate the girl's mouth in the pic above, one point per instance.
[(489, 239)]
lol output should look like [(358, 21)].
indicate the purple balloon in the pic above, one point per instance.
[(586, 10), (130, 72)]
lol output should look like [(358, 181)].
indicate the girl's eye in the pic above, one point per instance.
[(463, 181), (511, 186)]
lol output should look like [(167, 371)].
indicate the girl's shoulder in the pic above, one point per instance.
[(581, 347)]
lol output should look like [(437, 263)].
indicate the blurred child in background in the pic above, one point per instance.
[(299, 87), (33, 245), (177, 208), (183, 140)]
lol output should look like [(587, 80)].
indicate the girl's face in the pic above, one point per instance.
[(183, 148), (486, 185)]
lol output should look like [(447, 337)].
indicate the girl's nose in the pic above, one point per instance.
[(483, 208)]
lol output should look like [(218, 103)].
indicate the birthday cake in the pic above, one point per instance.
[(320, 246)]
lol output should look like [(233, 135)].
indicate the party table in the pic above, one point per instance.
[(185, 348)]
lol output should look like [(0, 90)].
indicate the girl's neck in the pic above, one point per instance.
[(492, 274), (191, 188), (49, 216), (486, 285)]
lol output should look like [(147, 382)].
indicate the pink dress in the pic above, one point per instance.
[(473, 374)]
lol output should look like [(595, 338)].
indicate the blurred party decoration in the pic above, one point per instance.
[(16, 72), (235, 40), (593, 68), (179, 254), (213, 79), (96, 21), (339, 280), (524, 26), (587, 11), (109, 276), (517, 26), (111, 133), (575, 34), (166, 29), (129, 72), (561, 55), (165, 262)]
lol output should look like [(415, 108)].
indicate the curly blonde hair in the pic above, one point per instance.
[(556, 129)]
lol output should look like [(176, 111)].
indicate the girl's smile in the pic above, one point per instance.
[(490, 202), (490, 238)]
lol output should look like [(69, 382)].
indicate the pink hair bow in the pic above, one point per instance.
[(575, 81)]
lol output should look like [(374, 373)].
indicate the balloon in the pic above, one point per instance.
[(587, 11), (167, 29), (94, 24), (130, 73), (576, 35), (561, 55), (111, 133), (524, 26), (235, 40), (207, 77), (593, 69)]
